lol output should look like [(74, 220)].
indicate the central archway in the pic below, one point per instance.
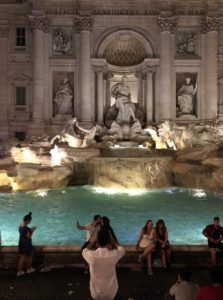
[(119, 37)]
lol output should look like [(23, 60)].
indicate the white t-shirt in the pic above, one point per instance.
[(102, 262), (91, 231), (184, 290)]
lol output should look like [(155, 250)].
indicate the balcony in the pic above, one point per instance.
[(20, 49)]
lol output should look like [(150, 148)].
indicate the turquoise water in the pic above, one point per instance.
[(55, 212)]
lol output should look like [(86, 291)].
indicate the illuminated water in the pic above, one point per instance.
[(55, 213)]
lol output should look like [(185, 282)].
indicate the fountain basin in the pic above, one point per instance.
[(55, 212)]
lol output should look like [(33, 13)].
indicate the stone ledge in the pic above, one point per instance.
[(66, 256), (77, 248)]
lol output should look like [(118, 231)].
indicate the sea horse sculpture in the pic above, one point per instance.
[(68, 135)]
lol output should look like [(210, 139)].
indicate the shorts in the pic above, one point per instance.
[(26, 250), (212, 245)]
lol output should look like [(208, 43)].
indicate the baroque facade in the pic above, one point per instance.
[(64, 58)]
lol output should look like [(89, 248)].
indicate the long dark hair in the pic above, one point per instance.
[(145, 226), (106, 221), (163, 229), (106, 226)]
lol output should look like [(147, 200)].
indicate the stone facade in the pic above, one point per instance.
[(61, 58)]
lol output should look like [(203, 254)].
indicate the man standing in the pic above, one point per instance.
[(102, 262), (214, 234), (92, 229)]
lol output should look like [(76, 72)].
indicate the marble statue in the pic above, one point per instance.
[(89, 135), (122, 94), (124, 132), (159, 141), (166, 132), (185, 97), (68, 135), (114, 133), (63, 99)]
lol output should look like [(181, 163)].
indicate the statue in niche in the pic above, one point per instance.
[(126, 109), (63, 98), (185, 98), (62, 42)]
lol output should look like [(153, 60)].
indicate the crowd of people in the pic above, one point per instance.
[(102, 251)]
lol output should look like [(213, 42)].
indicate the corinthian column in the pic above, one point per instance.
[(100, 70), (39, 25), (167, 25), (84, 26), (220, 98), (209, 27), (150, 70), (3, 81)]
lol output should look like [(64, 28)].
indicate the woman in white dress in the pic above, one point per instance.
[(146, 243)]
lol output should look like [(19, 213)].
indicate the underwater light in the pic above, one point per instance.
[(199, 193), (113, 191), (41, 193)]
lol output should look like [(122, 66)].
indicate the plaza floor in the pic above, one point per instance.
[(72, 283)]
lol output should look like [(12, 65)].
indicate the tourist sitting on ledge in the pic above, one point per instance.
[(183, 289), (162, 243), (146, 243), (214, 234)]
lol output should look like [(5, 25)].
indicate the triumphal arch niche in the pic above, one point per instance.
[(109, 61), (126, 65)]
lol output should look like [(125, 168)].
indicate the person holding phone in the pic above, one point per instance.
[(25, 245)]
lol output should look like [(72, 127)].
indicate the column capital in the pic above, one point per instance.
[(83, 23), (100, 69), (4, 31), (39, 23), (167, 23), (141, 74), (151, 69), (210, 24), (148, 69)]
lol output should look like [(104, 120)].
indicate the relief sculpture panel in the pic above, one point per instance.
[(62, 41)]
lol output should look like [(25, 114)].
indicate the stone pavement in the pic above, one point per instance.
[(73, 284)]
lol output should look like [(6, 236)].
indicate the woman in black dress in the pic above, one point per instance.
[(162, 243), (25, 245)]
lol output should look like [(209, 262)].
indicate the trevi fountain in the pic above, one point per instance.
[(112, 108)]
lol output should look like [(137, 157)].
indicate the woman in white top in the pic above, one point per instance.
[(146, 242)]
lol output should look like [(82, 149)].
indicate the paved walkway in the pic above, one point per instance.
[(72, 283)]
